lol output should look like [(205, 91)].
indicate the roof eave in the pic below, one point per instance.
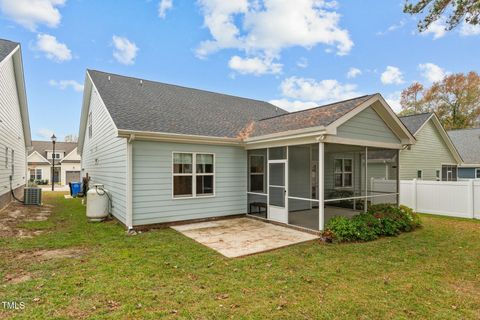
[(176, 137)]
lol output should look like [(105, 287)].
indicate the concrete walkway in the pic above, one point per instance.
[(242, 236)]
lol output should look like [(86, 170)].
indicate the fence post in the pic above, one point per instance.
[(470, 198), (414, 195)]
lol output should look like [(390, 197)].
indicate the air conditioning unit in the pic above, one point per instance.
[(32, 196)]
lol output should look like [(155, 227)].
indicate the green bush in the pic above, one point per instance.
[(379, 220)]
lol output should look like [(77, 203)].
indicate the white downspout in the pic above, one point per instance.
[(129, 188)]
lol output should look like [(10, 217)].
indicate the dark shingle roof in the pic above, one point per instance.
[(143, 105), (6, 47), (42, 147), (414, 122), (467, 142), (314, 117)]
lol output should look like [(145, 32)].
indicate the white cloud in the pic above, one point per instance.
[(294, 105), (392, 28), (163, 7), (432, 72), (53, 49), (256, 66), (393, 101), (302, 62), (469, 30), (64, 84), (353, 73), (392, 75), (31, 13), (125, 51), (266, 27), (321, 91), (437, 28), (44, 133)]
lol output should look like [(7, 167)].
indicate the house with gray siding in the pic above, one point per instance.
[(14, 124), (167, 153), (434, 156), (467, 142)]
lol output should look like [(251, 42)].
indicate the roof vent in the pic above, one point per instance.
[(108, 77), (141, 82)]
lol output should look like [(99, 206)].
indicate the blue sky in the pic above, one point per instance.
[(296, 54)]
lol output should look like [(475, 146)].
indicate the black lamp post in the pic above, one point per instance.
[(54, 139)]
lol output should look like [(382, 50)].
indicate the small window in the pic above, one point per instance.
[(420, 174), (35, 174), (343, 173), (477, 173), (90, 125), (257, 173)]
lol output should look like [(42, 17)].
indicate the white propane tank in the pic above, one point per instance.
[(97, 203)]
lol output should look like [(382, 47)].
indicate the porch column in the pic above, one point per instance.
[(321, 186), (365, 205)]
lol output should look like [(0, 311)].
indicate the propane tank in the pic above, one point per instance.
[(97, 203)]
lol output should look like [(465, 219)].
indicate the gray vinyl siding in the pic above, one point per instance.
[(152, 183), (111, 155), (427, 154), (367, 125), (11, 130)]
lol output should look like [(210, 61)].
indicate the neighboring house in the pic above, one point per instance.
[(434, 156), (14, 124), (67, 162), (168, 153), (467, 142)]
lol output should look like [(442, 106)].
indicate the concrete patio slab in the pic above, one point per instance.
[(242, 236)]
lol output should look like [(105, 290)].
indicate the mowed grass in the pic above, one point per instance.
[(432, 273)]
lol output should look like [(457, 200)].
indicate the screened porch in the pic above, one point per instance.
[(306, 185)]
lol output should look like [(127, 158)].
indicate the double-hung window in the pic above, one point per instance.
[(257, 173), (343, 173), (193, 175), (35, 174)]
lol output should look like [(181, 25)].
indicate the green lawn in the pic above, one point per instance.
[(431, 273)]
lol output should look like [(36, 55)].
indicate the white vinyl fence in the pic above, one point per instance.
[(448, 198)]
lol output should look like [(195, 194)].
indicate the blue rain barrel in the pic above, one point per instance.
[(76, 188)]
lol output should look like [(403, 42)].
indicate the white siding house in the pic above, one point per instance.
[(14, 124), (168, 153)]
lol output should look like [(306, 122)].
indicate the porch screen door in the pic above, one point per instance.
[(277, 190)]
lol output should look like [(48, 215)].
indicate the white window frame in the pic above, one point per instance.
[(250, 173), (421, 174), (194, 175), (35, 174), (343, 172)]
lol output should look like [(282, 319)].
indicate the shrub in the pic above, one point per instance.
[(380, 220), (343, 229)]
